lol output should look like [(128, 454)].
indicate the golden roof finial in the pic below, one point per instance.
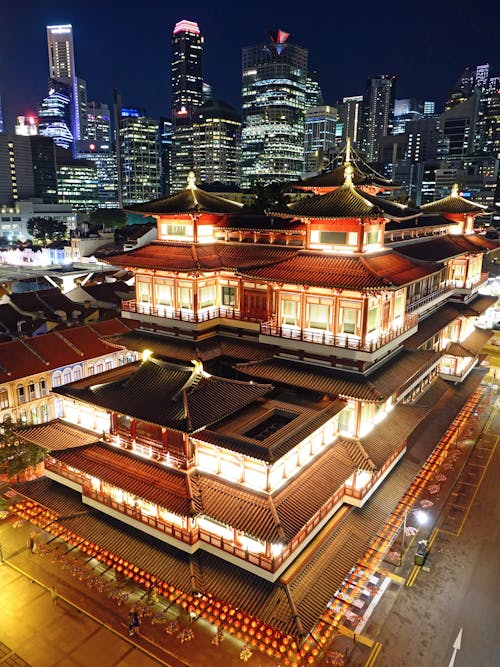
[(191, 184), (348, 150), (454, 190), (348, 174)]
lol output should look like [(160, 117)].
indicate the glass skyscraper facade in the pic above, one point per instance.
[(187, 96), (274, 99)]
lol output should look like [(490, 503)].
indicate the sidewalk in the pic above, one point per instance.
[(85, 627)]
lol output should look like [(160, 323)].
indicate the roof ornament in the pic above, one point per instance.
[(348, 150), (191, 181), (348, 171), (454, 190)]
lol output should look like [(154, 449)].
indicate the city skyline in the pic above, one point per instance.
[(424, 58)]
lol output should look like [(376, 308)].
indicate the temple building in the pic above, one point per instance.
[(282, 363)]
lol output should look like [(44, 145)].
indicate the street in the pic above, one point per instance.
[(459, 585)]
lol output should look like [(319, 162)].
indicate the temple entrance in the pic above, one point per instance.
[(255, 304)]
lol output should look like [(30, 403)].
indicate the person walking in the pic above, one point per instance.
[(130, 623), (136, 622)]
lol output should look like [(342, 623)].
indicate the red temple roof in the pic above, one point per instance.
[(386, 269), (200, 257), (166, 394), (447, 246)]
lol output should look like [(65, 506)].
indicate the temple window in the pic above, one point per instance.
[(99, 367), (185, 297), (42, 386), (31, 391), (333, 238), (228, 296), (290, 312), (207, 296), (91, 369), (164, 295), (56, 379), (34, 415), (349, 319), (44, 411), (77, 373), (399, 304), (372, 323), (67, 376), (372, 237), (144, 292), (318, 315), (346, 420)]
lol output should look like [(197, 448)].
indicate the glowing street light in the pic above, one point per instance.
[(421, 517)]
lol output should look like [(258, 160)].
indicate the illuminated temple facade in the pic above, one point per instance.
[(281, 360)]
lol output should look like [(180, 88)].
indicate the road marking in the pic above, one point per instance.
[(457, 644), (358, 639), (413, 575), (391, 575), (373, 654)]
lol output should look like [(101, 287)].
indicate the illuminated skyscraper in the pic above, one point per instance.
[(320, 139), (54, 114), (274, 100), (352, 118), (216, 148), (139, 156), (378, 107), (62, 69), (187, 96)]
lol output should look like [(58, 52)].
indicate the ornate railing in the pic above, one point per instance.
[(184, 315), (427, 298), (346, 341)]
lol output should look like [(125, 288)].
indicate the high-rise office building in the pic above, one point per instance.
[(187, 96), (274, 99), (488, 121), (43, 158), (139, 156), (27, 169), (378, 107), (458, 127), (429, 108), (352, 118), (422, 137), (165, 143), (320, 137), (62, 69), (314, 96), (98, 148), (405, 111), (77, 182), (217, 143), (54, 114)]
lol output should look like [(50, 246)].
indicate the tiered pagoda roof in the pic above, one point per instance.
[(189, 200), (348, 202), (376, 387), (205, 257), (363, 175), (374, 271), (168, 395), (446, 246), (453, 204)]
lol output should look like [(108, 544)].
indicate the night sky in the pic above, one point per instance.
[(125, 44)]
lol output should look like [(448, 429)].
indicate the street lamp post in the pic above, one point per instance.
[(421, 518)]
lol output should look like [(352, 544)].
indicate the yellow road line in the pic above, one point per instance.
[(391, 575), (477, 490), (432, 538), (413, 575), (358, 639), (373, 654)]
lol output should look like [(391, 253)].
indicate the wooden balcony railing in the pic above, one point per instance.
[(346, 341), (184, 315)]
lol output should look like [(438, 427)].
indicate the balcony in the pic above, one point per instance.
[(428, 298), (343, 341)]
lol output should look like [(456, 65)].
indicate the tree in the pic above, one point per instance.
[(269, 197), (47, 229), (16, 454), (108, 218)]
